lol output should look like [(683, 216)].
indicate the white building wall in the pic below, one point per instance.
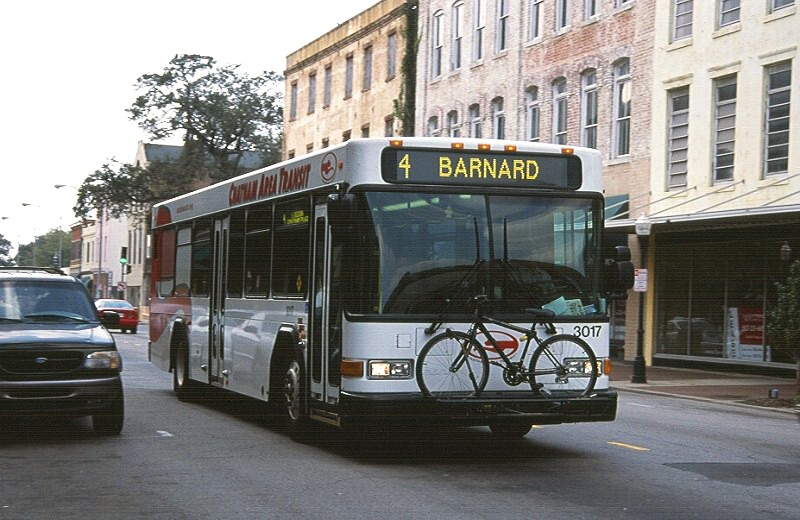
[(743, 49)]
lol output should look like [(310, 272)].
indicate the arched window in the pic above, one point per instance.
[(589, 108), (560, 111), (532, 113), (498, 119), (622, 108)]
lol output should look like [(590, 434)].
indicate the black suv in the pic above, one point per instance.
[(56, 356)]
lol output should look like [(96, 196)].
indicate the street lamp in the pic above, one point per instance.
[(642, 225), (61, 234), (27, 205)]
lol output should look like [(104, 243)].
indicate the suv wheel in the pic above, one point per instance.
[(109, 421)]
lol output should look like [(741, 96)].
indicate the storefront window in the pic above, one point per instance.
[(713, 296)]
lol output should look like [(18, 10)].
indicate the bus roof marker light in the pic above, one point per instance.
[(568, 151), (457, 146), (395, 143), (510, 148), (484, 147)]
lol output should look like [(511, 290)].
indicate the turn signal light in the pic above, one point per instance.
[(352, 368)]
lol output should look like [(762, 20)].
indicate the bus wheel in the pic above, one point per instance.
[(184, 388), (294, 395), (510, 430)]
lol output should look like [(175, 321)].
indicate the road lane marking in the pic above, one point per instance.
[(162, 433), (628, 446)]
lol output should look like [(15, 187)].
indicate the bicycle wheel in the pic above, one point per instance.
[(563, 366), (452, 364)]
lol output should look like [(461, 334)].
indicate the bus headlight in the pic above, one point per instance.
[(382, 369)]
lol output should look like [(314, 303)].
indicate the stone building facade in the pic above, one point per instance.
[(724, 177), (354, 81)]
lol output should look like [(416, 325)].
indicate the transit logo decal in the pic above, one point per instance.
[(506, 342), (327, 169), (267, 185)]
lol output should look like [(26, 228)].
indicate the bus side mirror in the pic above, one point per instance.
[(618, 273), (342, 213)]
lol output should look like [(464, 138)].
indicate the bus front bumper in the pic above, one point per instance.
[(478, 411)]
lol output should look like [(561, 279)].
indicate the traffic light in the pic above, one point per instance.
[(123, 255)]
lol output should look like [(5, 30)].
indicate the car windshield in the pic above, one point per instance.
[(113, 304), (33, 301), (425, 251)]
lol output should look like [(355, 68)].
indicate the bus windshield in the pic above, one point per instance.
[(432, 252)]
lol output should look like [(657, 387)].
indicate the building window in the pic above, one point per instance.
[(589, 108), (589, 9), (776, 132), (328, 87), (293, 101), (478, 30), (682, 19), (725, 117), (325, 142), (346, 136), (621, 3), (367, 83), (502, 25), (348, 77), (475, 121), (779, 4), (560, 111), (312, 92), (388, 127), (534, 19), (622, 108), (498, 119), (457, 34), (728, 12), (562, 15), (365, 131), (433, 126), (532, 113), (391, 56), (438, 42), (453, 128), (678, 146)]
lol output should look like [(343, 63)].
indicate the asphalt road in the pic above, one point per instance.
[(663, 458)]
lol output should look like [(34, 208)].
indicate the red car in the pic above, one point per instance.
[(128, 315)]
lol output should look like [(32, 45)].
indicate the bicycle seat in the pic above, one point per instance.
[(541, 313)]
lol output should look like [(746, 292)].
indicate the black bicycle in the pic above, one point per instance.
[(456, 364)]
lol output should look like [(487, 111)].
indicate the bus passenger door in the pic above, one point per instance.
[(323, 356), (216, 338)]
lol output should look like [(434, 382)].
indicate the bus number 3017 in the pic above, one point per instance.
[(587, 331)]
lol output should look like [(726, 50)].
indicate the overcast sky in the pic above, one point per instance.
[(69, 70)]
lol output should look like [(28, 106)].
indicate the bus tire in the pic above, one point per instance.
[(294, 394), (185, 389), (510, 429)]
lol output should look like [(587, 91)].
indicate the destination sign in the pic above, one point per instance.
[(477, 168)]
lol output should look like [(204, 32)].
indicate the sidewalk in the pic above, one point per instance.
[(729, 388)]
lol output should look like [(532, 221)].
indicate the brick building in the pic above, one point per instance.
[(569, 71)]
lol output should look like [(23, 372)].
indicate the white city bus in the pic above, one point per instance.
[(310, 284)]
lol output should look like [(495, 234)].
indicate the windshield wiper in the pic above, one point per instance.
[(55, 317)]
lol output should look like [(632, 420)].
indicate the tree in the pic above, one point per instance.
[(220, 110), (5, 251), (222, 114), (782, 329), (43, 251)]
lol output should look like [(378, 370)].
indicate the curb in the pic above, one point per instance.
[(793, 411)]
